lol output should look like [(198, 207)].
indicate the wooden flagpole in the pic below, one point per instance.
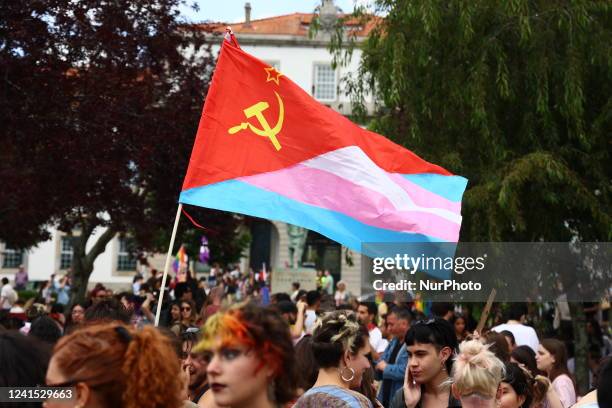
[(167, 265), (486, 311)]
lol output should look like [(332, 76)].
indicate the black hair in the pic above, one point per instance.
[(604, 385), (312, 297), (341, 323), (281, 296), (402, 313), (24, 361), (5, 281), (57, 308), (372, 308), (438, 332), (296, 285), (46, 329), (180, 288), (519, 381), (107, 310), (129, 296), (305, 363), (440, 309), (285, 306), (516, 311), (526, 356)]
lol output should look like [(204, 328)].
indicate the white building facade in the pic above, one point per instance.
[(283, 42)]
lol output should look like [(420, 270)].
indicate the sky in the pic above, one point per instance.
[(232, 11)]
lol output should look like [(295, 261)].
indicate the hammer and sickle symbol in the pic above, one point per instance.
[(265, 131)]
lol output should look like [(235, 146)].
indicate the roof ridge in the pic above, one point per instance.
[(275, 17)]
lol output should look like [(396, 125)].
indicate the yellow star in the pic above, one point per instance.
[(273, 75)]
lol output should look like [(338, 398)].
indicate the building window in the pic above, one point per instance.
[(66, 253), (125, 259), (12, 258), (324, 82)]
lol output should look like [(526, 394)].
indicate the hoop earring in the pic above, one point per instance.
[(347, 379)]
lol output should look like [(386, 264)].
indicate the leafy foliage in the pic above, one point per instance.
[(514, 95), (100, 102)]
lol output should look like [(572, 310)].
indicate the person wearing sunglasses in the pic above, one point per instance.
[(431, 346), (252, 362), (114, 366), (188, 314)]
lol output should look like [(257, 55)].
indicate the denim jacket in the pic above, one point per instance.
[(394, 372)]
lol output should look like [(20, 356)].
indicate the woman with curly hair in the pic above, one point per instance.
[(251, 358), (114, 366), (340, 346)]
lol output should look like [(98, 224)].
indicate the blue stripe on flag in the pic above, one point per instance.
[(240, 197), (449, 187), (244, 198)]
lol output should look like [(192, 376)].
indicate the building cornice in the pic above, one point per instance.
[(276, 40)]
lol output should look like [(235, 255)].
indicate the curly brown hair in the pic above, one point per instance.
[(125, 368)]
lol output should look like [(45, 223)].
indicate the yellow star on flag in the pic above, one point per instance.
[(273, 75)]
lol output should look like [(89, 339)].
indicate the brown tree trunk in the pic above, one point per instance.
[(83, 261), (581, 347)]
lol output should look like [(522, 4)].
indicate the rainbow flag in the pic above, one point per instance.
[(180, 261), (266, 148)]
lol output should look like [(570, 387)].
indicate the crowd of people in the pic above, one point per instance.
[(226, 341)]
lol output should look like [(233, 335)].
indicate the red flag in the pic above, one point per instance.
[(266, 148)]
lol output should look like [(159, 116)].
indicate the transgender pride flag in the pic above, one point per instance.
[(266, 148)]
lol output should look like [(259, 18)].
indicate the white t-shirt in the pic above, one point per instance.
[(309, 321), (523, 335), (9, 295), (377, 341)]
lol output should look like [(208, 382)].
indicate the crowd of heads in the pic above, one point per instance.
[(225, 343)]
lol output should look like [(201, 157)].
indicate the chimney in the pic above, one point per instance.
[(247, 14)]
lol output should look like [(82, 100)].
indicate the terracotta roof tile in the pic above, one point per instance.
[(296, 24)]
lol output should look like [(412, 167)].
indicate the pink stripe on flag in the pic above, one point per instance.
[(323, 189), (423, 197)]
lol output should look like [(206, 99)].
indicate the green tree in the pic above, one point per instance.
[(515, 95), (100, 103)]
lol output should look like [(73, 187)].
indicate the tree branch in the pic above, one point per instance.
[(100, 245)]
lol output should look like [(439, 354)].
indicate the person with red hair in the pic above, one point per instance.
[(251, 358), (114, 366)]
